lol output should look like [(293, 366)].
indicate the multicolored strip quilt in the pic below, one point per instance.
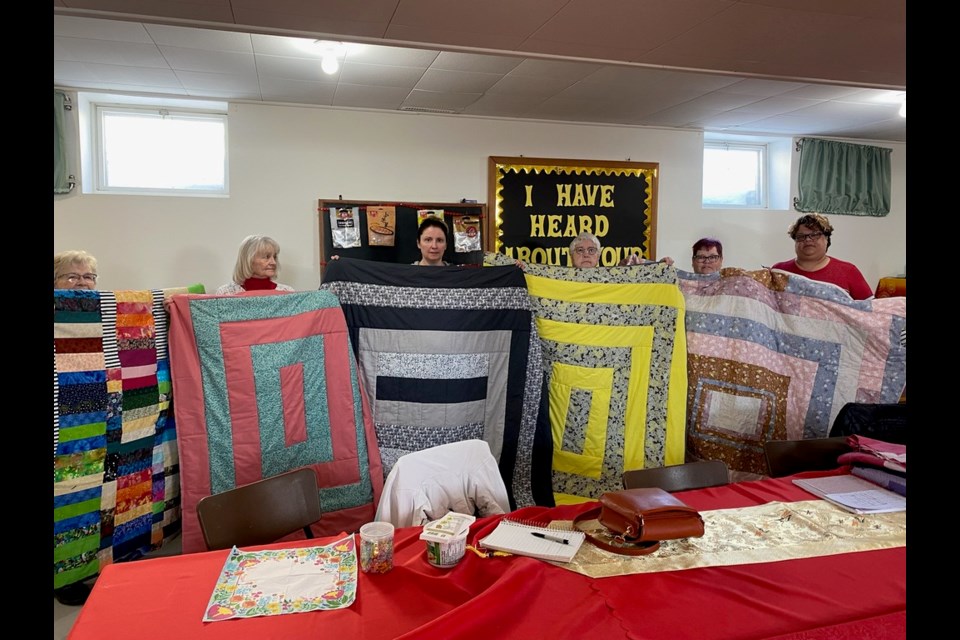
[(266, 382), (449, 354), (774, 356), (115, 461), (615, 369)]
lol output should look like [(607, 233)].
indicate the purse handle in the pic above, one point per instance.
[(625, 549)]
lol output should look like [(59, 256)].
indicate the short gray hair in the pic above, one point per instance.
[(585, 235), (249, 248), (64, 261)]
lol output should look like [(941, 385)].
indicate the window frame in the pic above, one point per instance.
[(763, 159), (93, 107)]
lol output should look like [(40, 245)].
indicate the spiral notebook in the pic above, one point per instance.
[(535, 541)]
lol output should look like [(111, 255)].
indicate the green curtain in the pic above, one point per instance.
[(843, 178), (62, 181)]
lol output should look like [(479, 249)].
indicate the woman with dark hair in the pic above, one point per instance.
[(432, 242), (707, 255), (811, 236), (258, 262)]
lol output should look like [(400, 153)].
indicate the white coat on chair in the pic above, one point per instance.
[(425, 485)]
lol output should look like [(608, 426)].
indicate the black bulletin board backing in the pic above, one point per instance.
[(405, 249)]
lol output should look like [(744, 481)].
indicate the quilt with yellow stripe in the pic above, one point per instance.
[(614, 353)]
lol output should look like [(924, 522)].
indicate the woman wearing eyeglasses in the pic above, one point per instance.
[(585, 253), (811, 237), (707, 255), (74, 270)]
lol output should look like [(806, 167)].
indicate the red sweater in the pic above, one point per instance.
[(843, 274)]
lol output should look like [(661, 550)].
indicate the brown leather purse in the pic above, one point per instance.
[(636, 520)]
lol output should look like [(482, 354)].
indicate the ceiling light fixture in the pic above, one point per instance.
[(331, 53)]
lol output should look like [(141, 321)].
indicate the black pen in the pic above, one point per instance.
[(550, 538)]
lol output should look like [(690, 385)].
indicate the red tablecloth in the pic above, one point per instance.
[(517, 597)]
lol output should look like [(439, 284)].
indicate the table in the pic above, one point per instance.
[(850, 595)]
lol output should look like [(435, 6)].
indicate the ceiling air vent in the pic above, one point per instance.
[(426, 110)]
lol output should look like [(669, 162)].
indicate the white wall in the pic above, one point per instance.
[(283, 159)]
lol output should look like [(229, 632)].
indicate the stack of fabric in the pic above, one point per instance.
[(882, 463)]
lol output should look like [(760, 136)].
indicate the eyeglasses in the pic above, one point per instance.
[(74, 278), (706, 258), (589, 251), (803, 237)]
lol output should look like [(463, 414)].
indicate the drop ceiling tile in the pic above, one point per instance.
[(453, 61), (226, 62), (379, 75), (392, 56), (205, 39), (456, 81), (288, 90), (292, 69), (526, 87), (105, 52), (435, 100), (94, 29), (219, 82), (137, 76)]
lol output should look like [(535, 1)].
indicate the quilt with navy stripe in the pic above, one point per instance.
[(115, 460), (775, 356), (449, 354), (266, 383)]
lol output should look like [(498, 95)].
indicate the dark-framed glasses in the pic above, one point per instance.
[(710, 259), (803, 237), (74, 278), (588, 251)]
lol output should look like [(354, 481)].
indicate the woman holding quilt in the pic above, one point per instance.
[(258, 262), (811, 237)]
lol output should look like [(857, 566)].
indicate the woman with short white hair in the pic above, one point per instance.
[(74, 270), (258, 262)]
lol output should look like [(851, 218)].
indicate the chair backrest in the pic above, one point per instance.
[(786, 457), (679, 477), (262, 511), (887, 422)]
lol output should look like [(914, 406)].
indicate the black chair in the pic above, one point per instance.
[(887, 422), (786, 457), (261, 512), (679, 477)]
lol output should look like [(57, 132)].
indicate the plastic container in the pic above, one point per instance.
[(376, 547), (447, 554)]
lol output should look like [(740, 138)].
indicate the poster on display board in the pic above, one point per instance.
[(542, 204)]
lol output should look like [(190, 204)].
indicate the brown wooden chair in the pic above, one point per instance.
[(679, 477), (786, 457), (261, 512)]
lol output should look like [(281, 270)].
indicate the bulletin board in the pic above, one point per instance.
[(540, 205), (403, 233)]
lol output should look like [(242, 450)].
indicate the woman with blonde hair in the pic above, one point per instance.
[(258, 262), (74, 270)]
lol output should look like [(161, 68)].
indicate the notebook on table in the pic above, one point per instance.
[(534, 541)]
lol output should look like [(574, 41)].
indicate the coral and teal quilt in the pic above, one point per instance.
[(266, 383), (774, 356), (115, 461)]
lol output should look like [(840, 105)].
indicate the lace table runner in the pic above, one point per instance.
[(766, 533)]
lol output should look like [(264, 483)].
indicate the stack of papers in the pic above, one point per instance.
[(854, 494)]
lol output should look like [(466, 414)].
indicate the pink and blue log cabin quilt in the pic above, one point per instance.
[(449, 354), (115, 463), (267, 383), (775, 356)]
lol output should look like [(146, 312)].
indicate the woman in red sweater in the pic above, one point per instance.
[(811, 236)]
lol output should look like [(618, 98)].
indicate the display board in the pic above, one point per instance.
[(387, 231), (541, 204)]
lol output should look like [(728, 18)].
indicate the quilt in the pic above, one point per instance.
[(266, 383), (116, 489), (614, 366), (449, 354), (775, 356)]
